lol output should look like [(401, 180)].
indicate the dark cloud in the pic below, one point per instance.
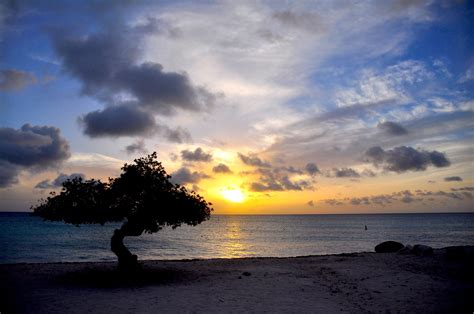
[(454, 178), (197, 155), (392, 128), (261, 187), (345, 173), (58, 182), (33, 146), (162, 92), (289, 169), (137, 147), (118, 121), (276, 181), (368, 173), (403, 158), (408, 199), (178, 135), (453, 195), (184, 176), (221, 168), (466, 188), (30, 147), (15, 80), (333, 202), (382, 199), (106, 65), (405, 196), (8, 174), (253, 160), (360, 201), (277, 178), (311, 168), (310, 203)]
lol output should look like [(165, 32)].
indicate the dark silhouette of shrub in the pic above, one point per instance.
[(142, 197)]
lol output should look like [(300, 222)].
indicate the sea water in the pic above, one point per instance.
[(24, 238)]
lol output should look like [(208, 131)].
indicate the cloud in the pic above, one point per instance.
[(310, 203), (8, 174), (278, 180), (468, 75), (15, 80), (261, 187), (106, 65), (403, 158), (30, 147), (308, 21), (345, 173), (197, 155), (137, 147), (163, 92), (253, 160), (178, 135), (404, 196), (311, 168), (453, 178), (466, 188), (118, 121), (58, 182), (368, 173), (333, 202), (184, 176), (221, 168), (392, 128), (360, 201)]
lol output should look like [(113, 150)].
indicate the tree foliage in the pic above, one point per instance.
[(142, 196)]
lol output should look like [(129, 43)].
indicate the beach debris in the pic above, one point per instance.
[(389, 247), (423, 250), (408, 249), (417, 249)]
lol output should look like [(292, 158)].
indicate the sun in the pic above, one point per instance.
[(233, 195)]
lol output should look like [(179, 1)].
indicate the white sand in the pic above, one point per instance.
[(360, 282)]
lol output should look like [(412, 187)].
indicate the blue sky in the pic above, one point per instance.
[(289, 84)]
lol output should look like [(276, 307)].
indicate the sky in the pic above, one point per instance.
[(262, 107)]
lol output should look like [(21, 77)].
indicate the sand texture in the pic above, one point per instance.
[(356, 283)]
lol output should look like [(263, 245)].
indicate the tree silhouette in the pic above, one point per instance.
[(142, 197)]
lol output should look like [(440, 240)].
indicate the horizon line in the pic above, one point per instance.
[(303, 214)]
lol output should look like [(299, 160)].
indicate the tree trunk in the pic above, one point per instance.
[(126, 260)]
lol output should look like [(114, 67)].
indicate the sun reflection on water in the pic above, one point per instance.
[(233, 244)]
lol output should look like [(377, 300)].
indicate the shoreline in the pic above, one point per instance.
[(347, 282), (218, 258), (196, 259)]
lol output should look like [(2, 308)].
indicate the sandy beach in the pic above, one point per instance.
[(356, 282)]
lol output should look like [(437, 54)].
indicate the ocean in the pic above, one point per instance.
[(27, 239)]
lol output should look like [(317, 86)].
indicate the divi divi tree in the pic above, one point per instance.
[(142, 197)]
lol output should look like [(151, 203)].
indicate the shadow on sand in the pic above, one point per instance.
[(114, 278)]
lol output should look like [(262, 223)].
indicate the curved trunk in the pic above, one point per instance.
[(126, 260)]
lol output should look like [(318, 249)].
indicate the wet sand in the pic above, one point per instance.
[(356, 282)]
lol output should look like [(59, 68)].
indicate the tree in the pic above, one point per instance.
[(142, 197)]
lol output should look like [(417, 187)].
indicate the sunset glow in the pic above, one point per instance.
[(273, 107), (236, 196)]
